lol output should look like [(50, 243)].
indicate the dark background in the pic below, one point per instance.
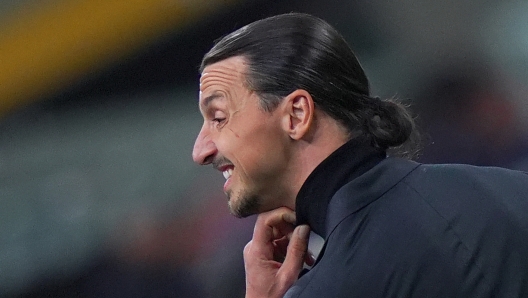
[(99, 194)]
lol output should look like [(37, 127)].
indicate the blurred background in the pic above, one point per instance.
[(98, 114)]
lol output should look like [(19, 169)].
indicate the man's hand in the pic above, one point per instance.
[(274, 257)]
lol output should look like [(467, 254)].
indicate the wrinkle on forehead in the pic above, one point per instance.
[(230, 71)]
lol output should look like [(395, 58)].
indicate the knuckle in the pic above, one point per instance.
[(275, 216), (286, 280)]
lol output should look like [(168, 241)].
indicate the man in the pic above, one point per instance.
[(289, 120)]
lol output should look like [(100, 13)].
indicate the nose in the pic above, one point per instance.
[(204, 149)]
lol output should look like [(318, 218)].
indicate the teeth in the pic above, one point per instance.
[(227, 173)]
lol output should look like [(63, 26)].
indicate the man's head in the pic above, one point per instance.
[(297, 51), (278, 96)]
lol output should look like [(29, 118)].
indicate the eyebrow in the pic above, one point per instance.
[(206, 101)]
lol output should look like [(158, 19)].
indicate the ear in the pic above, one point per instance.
[(298, 113)]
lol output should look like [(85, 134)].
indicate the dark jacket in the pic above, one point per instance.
[(397, 228)]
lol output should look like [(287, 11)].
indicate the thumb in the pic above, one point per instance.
[(295, 255)]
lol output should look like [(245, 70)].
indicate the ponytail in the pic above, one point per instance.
[(390, 125)]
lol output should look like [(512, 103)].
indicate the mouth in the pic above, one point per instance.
[(226, 167), (227, 173)]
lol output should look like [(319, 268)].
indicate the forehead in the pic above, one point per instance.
[(224, 74)]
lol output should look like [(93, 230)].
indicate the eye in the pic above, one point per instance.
[(218, 118)]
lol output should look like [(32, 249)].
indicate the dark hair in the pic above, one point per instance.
[(299, 51)]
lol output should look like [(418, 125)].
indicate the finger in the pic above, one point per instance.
[(295, 256), (282, 220), (289, 217), (280, 247), (273, 225), (270, 226)]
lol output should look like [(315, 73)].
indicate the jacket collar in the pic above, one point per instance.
[(348, 162), (369, 187)]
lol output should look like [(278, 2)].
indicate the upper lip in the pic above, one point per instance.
[(224, 167)]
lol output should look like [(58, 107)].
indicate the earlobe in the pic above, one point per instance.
[(299, 113)]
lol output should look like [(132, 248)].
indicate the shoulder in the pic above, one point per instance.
[(450, 182)]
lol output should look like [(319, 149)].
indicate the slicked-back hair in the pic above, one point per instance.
[(299, 51)]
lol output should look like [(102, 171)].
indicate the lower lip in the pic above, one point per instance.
[(227, 184)]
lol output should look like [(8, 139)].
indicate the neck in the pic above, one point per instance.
[(326, 137)]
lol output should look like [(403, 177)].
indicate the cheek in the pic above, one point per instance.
[(262, 154), (253, 144)]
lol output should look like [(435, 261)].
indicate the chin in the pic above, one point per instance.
[(244, 205)]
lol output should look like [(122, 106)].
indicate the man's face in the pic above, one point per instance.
[(241, 140)]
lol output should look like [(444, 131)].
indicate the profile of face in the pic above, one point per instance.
[(242, 140)]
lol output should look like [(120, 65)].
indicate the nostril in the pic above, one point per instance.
[(207, 160)]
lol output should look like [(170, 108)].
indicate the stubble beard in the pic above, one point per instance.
[(243, 204)]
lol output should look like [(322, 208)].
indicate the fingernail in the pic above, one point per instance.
[(303, 231), (312, 260)]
